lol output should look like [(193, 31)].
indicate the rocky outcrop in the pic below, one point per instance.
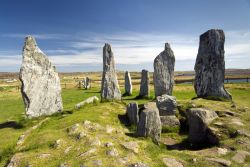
[(128, 84), (110, 88), (149, 124), (41, 89), (166, 104), (210, 66), (198, 121), (144, 87), (133, 113), (164, 72)]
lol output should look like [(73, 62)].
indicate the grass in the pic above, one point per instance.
[(41, 140)]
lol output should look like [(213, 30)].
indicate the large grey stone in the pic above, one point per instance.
[(144, 87), (166, 104), (210, 66), (41, 89), (149, 124), (109, 88), (133, 113), (128, 84), (198, 121), (164, 72)]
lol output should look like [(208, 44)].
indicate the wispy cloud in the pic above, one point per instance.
[(135, 48)]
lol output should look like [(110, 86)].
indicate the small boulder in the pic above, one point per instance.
[(133, 113), (171, 162), (133, 146), (149, 124), (240, 156), (198, 121), (166, 104)]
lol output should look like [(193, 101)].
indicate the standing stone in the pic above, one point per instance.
[(198, 121), (164, 72), (210, 66), (128, 84), (149, 124), (133, 113), (86, 83), (41, 89), (110, 88), (166, 104), (144, 87)]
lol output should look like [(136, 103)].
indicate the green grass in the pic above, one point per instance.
[(41, 140)]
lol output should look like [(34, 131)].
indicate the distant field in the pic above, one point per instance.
[(71, 79)]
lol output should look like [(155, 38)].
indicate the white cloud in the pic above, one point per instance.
[(135, 48)]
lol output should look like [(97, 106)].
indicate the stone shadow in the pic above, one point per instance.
[(10, 124)]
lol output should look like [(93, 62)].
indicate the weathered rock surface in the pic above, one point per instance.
[(169, 121), (166, 104), (149, 124), (144, 86), (41, 89), (240, 156), (219, 161), (133, 113), (171, 162), (128, 84), (86, 83), (133, 146), (164, 72), (87, 101), (110, 87), (198, 121), (210, 66), (139, 164)]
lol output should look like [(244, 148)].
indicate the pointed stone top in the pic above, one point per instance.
[(167, 46), (213, 31), (30, 43)]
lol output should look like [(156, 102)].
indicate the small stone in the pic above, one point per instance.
[(44, 155), (95, 142), (109, 129), (87, 101), (89, 152), (240, 156), (219, 161), (222, 151), (63, 165), (123, 160), (109, 144), (73, 129), (133, 146), (97, 163), (198, 121), (139, 164), (66, 151), (166, 104), (58, 143), (81, 135), (169, 121), (171, 162), (113, 152)]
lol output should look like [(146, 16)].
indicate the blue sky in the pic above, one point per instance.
[(72, 33)]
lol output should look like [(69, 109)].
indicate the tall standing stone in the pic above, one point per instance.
[(128, 84), (110, 88), (144, 87), (210, 66), (41, 89), (164, 72)]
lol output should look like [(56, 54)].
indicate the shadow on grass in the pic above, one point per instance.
[(186, 145), (11, 124)]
